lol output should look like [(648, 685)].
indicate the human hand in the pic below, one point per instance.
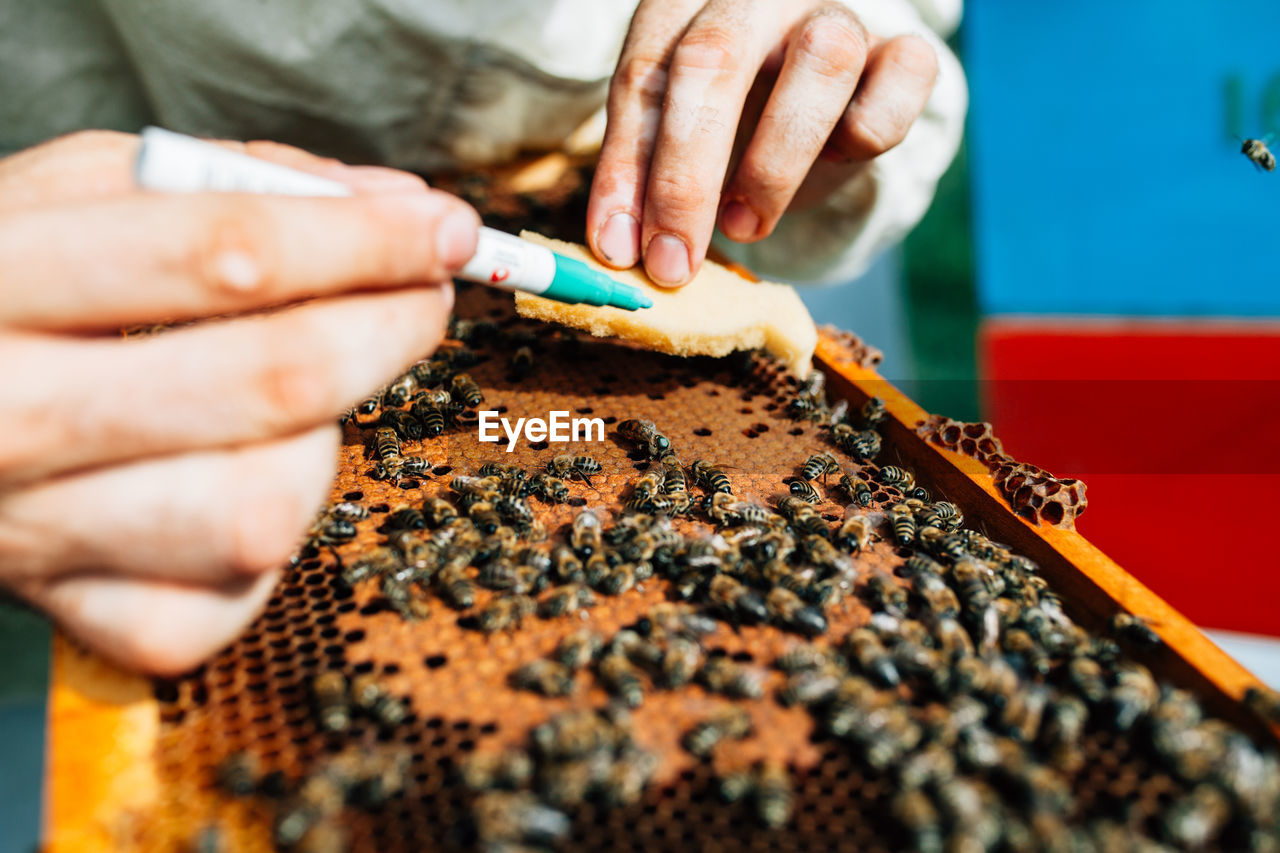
[(150, 488), (799, 94)]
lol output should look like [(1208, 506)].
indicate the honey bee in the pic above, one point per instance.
[(406, 518), (937, 597), (808, 687), (401, 597), (1258, 153), (485, 517), (858, 489), (573, 734), (789, 611), (733, 723), (579, 649), (1135, 630), (886, 595), (621, 678), (1135, 693), (566, 601), (386, 444), (571, 467), (464, 388), (645, 434), (855, 531), (586, 536), (808, 657), (239, 774), (550, 489), (1194, 821), (774, 800), (404, 424), (736, 601), (516, 817), (505, 613), (627, 777), (646, 488), (521, 362), (864, 647), (679, 620), (430, 417), (1264, 702), (710, 477), (505, 770), (872, 412), (454, 587), (820, 465), (679, 662), (332, 708), (368, 695), (721, 675), (913, 809), (860, 444), (349, 511), (549, 678), (898, 478), (805, 491), (618, 579)]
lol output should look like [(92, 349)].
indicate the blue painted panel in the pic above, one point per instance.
[(1106, 179)]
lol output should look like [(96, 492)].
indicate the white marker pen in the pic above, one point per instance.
[(172, 162)]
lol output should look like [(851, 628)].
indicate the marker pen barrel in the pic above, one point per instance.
[(172, 162)]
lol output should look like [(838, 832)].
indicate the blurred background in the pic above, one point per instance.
[(1097, 278)]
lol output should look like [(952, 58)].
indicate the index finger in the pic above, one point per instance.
[(711, 73), (146, 258)]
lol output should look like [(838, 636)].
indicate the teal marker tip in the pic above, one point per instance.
[(576, 282)]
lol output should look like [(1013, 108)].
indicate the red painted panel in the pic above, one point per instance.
[(1143, 412)]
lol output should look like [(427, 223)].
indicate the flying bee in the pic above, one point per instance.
[(820, 465), (505, 613), (550, 489), (733, 723), (464, 388), (904, 524), (721, 675), (586, 536), (1135, 629), (386, 444), (332, 708), (736, 601), (1258, 153), (860, 444), (549, 678), (788, 610), (579, 649), (710, 477), (521, 362), (805, 491), (645, 434), (565, 601), (621, 678)]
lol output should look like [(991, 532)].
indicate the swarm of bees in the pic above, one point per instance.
[(969, 687)]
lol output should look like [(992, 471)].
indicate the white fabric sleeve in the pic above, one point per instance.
[(837, 240)]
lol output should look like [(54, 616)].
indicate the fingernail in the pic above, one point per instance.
[(667, 260), (456, 237), (619, 240), (739, 222)]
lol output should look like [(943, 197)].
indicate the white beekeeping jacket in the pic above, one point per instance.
[(424, 85)]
